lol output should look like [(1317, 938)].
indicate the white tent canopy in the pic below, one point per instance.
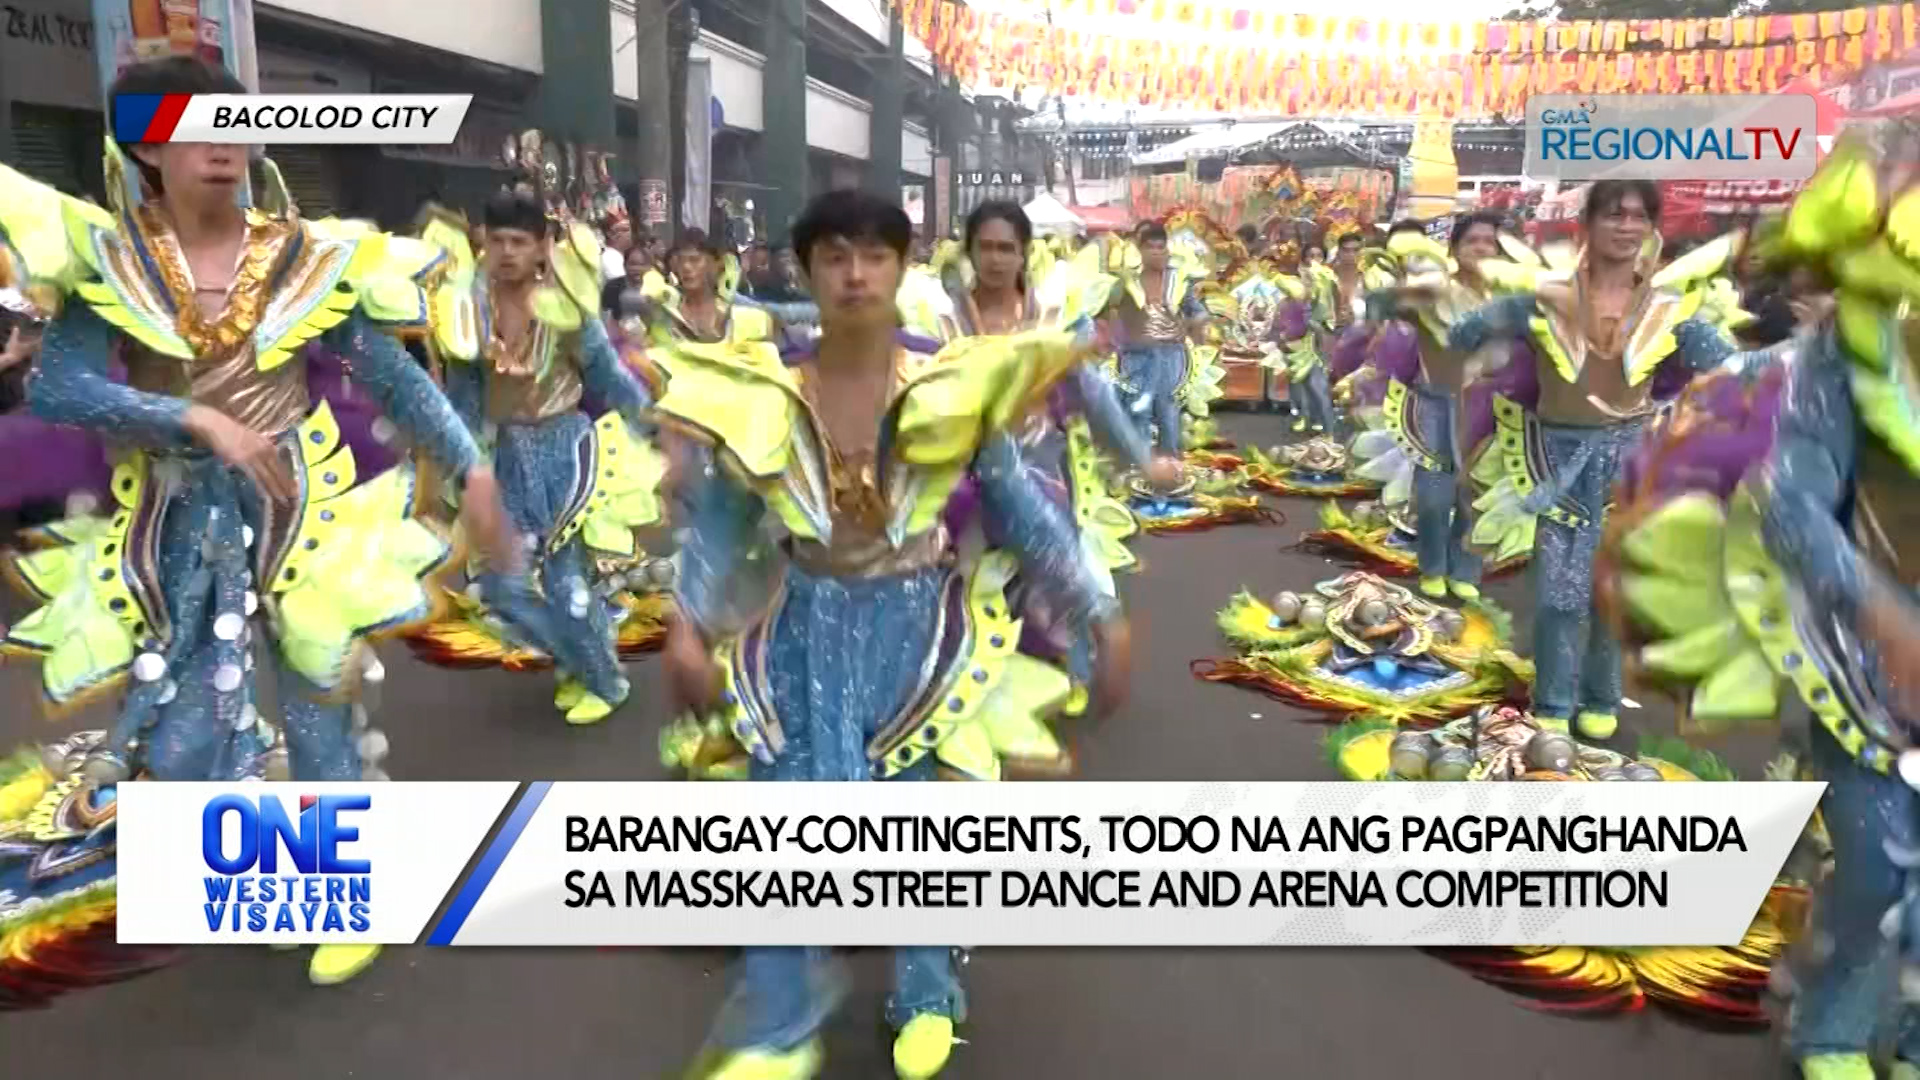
[(1050, 215)]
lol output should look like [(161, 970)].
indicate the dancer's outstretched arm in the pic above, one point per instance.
[(70, 385), (1038, 531)]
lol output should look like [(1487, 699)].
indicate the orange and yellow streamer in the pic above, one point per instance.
[(1374, 67)]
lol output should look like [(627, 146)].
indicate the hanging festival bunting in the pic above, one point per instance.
[(1242, 75), (1473, 35)]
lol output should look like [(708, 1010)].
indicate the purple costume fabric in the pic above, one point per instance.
[(1731, 427), (355, 412), (66, 461), (1290, 323), (1349, 352), (1396, 353), (1518, 381)]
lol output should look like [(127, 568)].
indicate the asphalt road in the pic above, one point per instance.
[(1125, 1014)]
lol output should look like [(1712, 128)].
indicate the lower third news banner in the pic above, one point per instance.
[(588, 864)]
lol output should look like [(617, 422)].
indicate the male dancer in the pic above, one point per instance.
[(1425, 416), (695, 310), (862, 668), (568, 480), (238, 506), (1601, 332), (1156, 315)]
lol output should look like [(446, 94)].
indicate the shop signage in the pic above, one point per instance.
[(996, 178), (653, 202), (46, 53)]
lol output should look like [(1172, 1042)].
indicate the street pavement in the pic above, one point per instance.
[(1120, 1014)]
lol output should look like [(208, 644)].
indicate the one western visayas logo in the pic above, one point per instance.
[(317, 888)]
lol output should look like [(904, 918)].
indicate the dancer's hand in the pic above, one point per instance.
[(1112, 664), (692, 676), (1164, 472), (485, 518), (19, 350), (245, 449)]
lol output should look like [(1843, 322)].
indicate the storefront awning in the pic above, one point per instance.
[(1213, 142)]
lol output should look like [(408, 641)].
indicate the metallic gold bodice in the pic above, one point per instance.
[(863, 507), (534, 380), (230, 381), (1159, 320), (225, 372)]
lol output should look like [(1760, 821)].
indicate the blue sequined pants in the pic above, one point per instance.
[(1311, 399), (1155, 372), (1576, 660), (568, 620), (845, 656), (1443, 513), (1844, 1005), (193, 722)]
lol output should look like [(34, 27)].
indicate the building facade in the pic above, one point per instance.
[(51, 126)]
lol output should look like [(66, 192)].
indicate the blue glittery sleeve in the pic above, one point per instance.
[(406, 393), (791, 314), (721, 519), (1701, 346), (1191, 307), (1506, 317), (1108, 417), (1807, 481), (70, 385), (608, 380), (1383, 304), (1037, 530)]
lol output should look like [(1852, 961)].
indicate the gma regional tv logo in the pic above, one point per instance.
[(1671, 137), (272, 870)]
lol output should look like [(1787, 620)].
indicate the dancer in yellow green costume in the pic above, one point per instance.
[(880, 657), (236, 507), (1612, 338), (1764, 550), (576, 484)]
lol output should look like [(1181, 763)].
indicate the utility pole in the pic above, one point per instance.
[(653, 100), (683, 25), (889, 98), (783, 145)]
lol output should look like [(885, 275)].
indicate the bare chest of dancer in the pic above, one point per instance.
[(1597, 325), (848, 408)]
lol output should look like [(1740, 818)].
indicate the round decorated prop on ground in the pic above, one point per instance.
[(1723, 986), (57, 879), (1361, 644), (1381, 539), (1319, 466), (468, 636), (1208, 497)]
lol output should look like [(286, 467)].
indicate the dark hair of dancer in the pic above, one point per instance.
[(999, 210), (1465, 223), (509, 209), (1151, 233), (851, 215), (1406, 225), (1606, 196), (173, 75), (695, 240)]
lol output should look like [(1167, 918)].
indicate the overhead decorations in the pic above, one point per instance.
[(1321, 66)]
